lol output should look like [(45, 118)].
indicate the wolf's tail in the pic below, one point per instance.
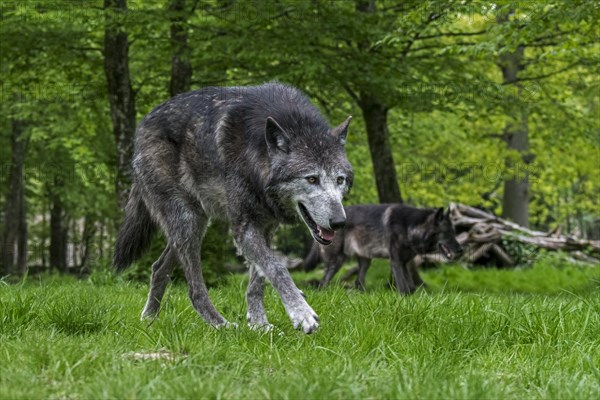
[(312, 259), (136, 232)]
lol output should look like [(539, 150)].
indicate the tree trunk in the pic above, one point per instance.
[(58, 230), (181, 68), (120, 93), (515, 201), (43, 253), (375, 112), (375, 116), (14, 243), (87, 256), (366, 6)]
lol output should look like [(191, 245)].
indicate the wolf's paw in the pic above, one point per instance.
[(306, 319), (226, 325), (264, 328), (149, 315)]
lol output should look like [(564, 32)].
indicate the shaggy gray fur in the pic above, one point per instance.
[(255, 156)]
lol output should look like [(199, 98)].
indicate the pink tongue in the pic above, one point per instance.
[(326, 234)]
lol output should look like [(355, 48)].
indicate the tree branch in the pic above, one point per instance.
[(543, 76), (439, 46), (539, 39), (98, 49), (351, 92), (448, 34), (432, 17)]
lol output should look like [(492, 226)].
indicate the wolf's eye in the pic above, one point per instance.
[(313, 180), (340, 180)]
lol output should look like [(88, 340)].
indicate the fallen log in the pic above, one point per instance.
[(487, 237)]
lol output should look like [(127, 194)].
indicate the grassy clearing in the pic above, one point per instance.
[(530, 333)]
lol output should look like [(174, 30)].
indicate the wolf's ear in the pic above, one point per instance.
[(340, 132), (439, 214), (276, 137)]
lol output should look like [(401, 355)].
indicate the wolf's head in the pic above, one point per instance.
[(310, 173), (437, 234)]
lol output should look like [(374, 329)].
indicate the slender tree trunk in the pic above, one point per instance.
[(515, 201), (87, 256), (43, 247), (375, 116), (120, 92), (14, 241), (366, 6), (375, 113), (58, 230), (181, 68), (101, 241)]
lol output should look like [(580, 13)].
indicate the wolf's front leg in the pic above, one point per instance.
[(257, 317), (401, 278), (254, 246), (400, 255), (361, 278)]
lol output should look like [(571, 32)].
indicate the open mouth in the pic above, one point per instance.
[(320, 234), (445, 250)]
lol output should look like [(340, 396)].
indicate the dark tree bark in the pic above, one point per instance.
[(181, 68), (375, 116), (375, 113), (365, 6), (515, 201), (87, 252), (43, 245), (120, 92), (58, 229), (14, 241)]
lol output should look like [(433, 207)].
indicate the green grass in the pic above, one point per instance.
[(479, 334)]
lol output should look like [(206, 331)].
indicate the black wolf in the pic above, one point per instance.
[(254, 156), (393, 231)]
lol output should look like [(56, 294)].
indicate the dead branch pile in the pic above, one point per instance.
[(486, 238)]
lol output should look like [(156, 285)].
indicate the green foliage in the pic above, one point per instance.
[(523, 254)]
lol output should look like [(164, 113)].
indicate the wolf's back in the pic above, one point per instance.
[(135, 233)]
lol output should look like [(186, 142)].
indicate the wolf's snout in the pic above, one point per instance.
[(456, 251), (337, 223)]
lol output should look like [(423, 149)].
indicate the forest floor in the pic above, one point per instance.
[(473, 334)]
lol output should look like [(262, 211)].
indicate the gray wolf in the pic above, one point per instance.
[(254, 156), (394, 231)]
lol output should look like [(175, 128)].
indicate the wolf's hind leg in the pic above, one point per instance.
[(188, 251), (257, 317), (158, 283), (184, 223), (363, 266), (417, 280)]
